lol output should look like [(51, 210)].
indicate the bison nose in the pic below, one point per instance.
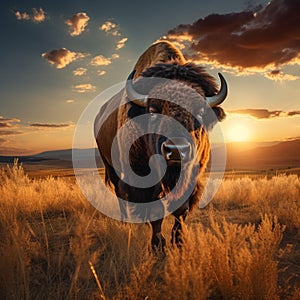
[(176, 150)]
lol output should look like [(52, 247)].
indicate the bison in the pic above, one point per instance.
[(187, 95)]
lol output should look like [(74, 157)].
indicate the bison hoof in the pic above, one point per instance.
[(158, 243)]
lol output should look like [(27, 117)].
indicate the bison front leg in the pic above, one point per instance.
[(158, 242), (180, 216)]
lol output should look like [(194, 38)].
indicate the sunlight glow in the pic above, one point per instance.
[(238, 133)]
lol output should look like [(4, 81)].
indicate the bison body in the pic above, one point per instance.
[(182, 92)]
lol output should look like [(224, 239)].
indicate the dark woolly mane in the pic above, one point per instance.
[(195, 76)]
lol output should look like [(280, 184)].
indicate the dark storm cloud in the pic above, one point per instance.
[(264, 113), (269, 37)]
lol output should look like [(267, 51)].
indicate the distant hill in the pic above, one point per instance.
[(239, 156), (67, 153), (55, 158), (282, 154)]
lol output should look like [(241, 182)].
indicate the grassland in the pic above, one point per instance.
[(55, 245)]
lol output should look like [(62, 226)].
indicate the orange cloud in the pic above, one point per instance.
[(7, 122), (22, 16), (121, 43), (78, 23), (51, 125), (80, 71), (62, 57), (38, 15), (264, 113), (278, 75), (100, 60), (8, 127), (101, 73), (10, 132), (83, 88), (110, 28)]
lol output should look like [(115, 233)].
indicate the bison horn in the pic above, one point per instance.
[(132, 94), (217, 99)]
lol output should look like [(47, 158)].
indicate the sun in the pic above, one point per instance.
[(238, 133)]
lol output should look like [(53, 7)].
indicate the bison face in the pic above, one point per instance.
[(184, 130), (179, 115), (184, 116)]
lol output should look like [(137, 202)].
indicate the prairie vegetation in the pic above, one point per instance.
[(55, 245)]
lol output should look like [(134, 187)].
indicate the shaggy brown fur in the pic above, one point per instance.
[(189, 85), (160, 52)]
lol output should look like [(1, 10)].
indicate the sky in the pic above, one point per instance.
[(56, 56)]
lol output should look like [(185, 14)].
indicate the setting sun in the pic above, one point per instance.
[(238, 133), (238, 128)]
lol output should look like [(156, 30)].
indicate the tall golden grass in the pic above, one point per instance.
[(55, 245)]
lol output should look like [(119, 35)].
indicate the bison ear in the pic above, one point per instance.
[(213, 116), (220, 113), (135, 111)]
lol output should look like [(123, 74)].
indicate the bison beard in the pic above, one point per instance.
[(190, 85)]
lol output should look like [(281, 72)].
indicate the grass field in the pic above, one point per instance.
[(55, 245)]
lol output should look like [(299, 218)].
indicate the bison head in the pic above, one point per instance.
[(189, 97)]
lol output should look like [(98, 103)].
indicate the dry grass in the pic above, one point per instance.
[(55, 245)]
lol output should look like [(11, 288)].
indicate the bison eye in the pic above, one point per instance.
[(199, 118), (200, 115)]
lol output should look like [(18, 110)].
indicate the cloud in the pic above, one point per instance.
[(121, 43), (278, 75), (7, 126), (100, 60), (83, 88), (261, 40), (257, 113), (264, 113), (78, 23), (62, 57), (115, 56), (114, 29), (10, 132), (80, 71), (7, 122), (101, 73), (22, 16), (51, 125), (110, 28), (293, 113), (38, 15)]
